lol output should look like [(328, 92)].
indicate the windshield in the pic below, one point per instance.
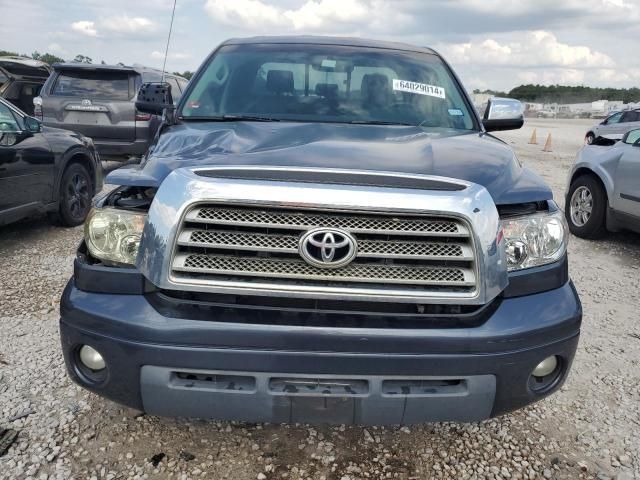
[(327, 83)]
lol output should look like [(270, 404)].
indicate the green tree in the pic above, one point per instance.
[(82, 59), (186, 74), (572, 94), (47, 57), (6, 53)]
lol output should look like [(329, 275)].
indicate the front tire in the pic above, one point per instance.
[(76, 191), (586, 208)]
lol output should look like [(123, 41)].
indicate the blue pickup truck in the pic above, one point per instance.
[(324, 230)]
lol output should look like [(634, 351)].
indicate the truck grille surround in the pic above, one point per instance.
[(423, 253), (276, 233)]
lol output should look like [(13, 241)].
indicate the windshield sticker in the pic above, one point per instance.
[(326, 63), (455, 112), (418, 88)]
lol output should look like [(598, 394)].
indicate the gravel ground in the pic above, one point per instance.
[(590, 429)]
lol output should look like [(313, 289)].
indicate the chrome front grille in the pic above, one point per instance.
[(218, 245)]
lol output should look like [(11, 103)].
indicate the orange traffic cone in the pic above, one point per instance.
[(547, 144), (534, 139)]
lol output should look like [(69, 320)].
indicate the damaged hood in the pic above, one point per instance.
[(475, 157)]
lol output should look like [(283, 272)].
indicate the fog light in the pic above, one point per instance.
[(546, 367), (91, 358)]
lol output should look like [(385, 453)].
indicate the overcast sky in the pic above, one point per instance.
[(491, 43)]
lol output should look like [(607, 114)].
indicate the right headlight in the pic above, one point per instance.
[(535, 240), (113, 235)]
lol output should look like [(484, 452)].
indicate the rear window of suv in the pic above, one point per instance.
[(106, 85)]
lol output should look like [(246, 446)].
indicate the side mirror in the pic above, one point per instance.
[(32, 125), (503, 114), (154, 98)]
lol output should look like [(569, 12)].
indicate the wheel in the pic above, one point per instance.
[(76, 191), (589, 138), (586, 208)]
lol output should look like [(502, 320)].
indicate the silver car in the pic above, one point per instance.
[(614, 126), (603, 191)]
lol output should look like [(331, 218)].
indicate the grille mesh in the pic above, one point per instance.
[(409, 249), (306, 221), (235, 239), (300, 269)]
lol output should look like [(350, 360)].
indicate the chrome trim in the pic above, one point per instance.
[(184, 189)]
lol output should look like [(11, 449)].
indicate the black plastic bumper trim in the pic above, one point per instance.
[(537, 279)]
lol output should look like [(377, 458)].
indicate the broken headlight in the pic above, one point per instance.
[(535, 240), (113, 235)]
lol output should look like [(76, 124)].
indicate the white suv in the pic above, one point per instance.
[(615, 126)]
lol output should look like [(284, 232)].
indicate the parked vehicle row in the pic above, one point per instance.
[(44, 169), (604, 188), (99, 101), (57, 125), (615, 126)]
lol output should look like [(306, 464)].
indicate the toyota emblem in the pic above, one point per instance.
[(86, 102), (327, 247)]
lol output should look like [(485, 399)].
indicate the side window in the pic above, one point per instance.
[(632, 137), (8, 122), (176, 92), (630, 117), (614, 119), (3, 79), (9, 127), (206, 97), (625, 117)]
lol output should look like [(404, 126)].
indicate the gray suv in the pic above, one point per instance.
[(98, 101), (614, 126), (603, 189)]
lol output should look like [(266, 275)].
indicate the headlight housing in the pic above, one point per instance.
[(535, 240), (113, 235)]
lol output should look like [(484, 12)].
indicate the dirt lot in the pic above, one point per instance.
[(591, 429)]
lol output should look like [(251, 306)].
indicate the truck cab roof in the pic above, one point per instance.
[(326, 40)]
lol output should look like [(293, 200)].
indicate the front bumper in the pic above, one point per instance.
[(225, 365)]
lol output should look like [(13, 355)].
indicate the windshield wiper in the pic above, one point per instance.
[(248, 118), (233, 118), (380, 122)]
